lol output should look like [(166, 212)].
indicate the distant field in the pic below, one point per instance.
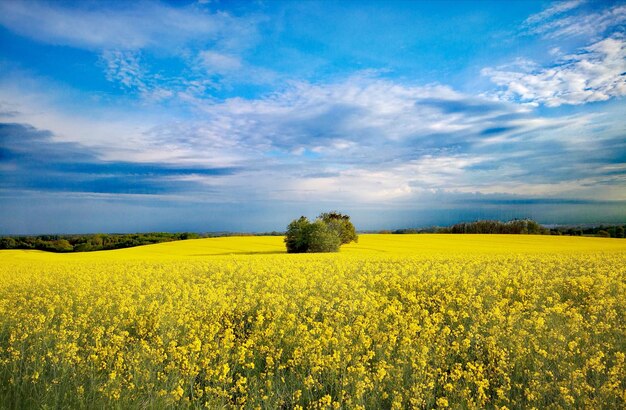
[(395, 321)]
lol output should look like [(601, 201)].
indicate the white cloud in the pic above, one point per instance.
[(590, 188), (596, 73), (554, 10), (129, 26), (564, 21), (360, 112), (215, 62), (125, 68), (230, 68), (386, 183), (123, 32)]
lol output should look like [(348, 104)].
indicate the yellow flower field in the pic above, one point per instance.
[(395, 321)]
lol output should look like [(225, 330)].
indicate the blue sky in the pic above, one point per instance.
[(221, 115)]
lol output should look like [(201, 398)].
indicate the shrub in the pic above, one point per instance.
[(329, 231), (323, 238)]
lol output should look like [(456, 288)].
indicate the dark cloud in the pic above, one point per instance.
[(463, 106), (32, 160), (28, 145), (492, 200), (496, 130)]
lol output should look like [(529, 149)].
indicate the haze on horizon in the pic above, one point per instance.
[(241, 116)]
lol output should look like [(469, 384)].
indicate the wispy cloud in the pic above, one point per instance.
[(207, 46), (595, 73), (555, 9), (228, 68), (576, 19), (134, 25), (358, 113), (216, 62), (130, 73), (125, 68)]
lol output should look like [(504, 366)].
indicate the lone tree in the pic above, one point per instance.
[(329, 231)]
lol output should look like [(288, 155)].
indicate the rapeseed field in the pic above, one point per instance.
[(395, 321)]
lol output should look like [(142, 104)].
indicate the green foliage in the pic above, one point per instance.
[(62, 245), (515, 226), (323, 238), (7, 243), (297, 235), (613, 231), (341, 224), (530, 227), (84, 243), (329, 231)]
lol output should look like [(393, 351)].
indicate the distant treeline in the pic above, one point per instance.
[(519, 226), (222, 234), (91, 242), (99, 242), (605, 231), (515, 227)]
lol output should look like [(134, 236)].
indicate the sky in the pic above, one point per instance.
[(217, 115)]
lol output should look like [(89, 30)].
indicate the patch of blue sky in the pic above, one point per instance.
[(80, 68), (425, 42)]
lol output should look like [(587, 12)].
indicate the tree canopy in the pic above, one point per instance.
[(341, 224), (326, 234), (515, 226)]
